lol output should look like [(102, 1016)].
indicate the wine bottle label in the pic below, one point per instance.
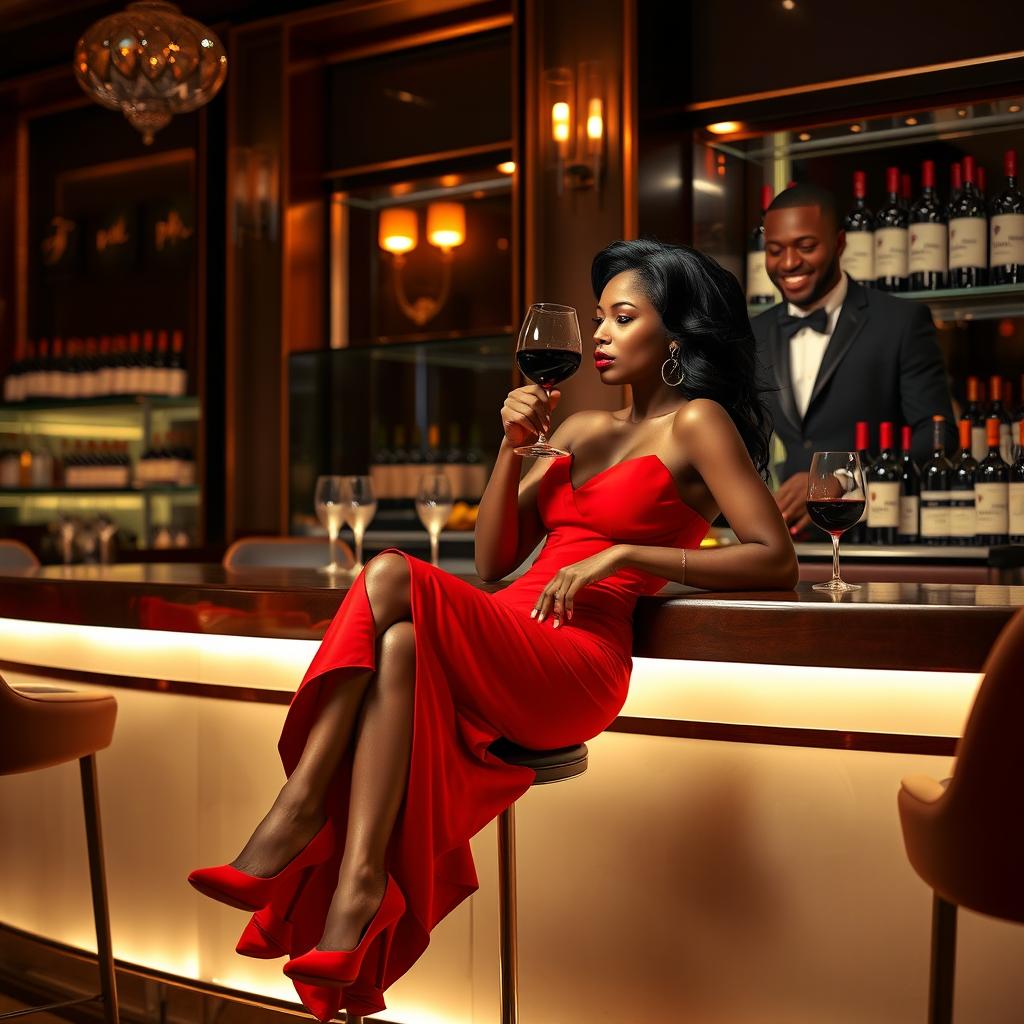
[(928, 246), (993, 506), (935, 513), (979, 443), (967, 243), (1006, 234), (908, 515), (759, 284), (883, 504), (962, 515), (1016, 516), (891, 252), (858, 258)]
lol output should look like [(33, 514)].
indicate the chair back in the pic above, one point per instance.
[(982, 808), (284, 553), (43, 724), (16, 557)]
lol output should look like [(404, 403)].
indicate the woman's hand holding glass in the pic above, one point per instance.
[(526, 414)]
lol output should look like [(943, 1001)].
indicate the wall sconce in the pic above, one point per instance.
[(578, 124), (398, 234), (256, 194)]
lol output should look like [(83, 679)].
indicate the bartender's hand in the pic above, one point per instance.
[(527, 413), (791, 497)]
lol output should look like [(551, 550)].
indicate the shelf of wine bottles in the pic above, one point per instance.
[(148, 363), (972, 497)]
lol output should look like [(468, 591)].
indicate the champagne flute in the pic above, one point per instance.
[(434, 505), (361, 507), (331, 510), (548, 351), (835, 502)]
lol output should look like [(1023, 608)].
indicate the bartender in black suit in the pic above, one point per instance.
[(838, 352)]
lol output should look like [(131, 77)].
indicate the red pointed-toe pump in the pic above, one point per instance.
[(250, 892), (342, 966)]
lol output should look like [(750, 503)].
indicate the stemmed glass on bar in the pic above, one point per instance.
[(549, 350), (835, 502), (361, 506), (434, 505), (331, 510)]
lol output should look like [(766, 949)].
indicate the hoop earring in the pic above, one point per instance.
[(672, 369)]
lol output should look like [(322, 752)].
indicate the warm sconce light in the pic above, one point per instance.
[(397, 230), (578, 124), (398, 234), (724, 127), (446, 225), (508, 167)]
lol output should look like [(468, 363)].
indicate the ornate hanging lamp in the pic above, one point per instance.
[(150, 62)]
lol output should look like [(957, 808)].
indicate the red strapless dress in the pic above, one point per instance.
[(484, 670)]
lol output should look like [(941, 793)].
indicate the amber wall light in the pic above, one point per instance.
[(575, 108)]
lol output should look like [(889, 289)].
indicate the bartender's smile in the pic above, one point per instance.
[(801, 253)]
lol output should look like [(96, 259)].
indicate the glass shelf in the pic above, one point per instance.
[(966, 120), (955, 305)]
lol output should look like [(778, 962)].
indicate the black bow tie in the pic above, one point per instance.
[(817, 321)]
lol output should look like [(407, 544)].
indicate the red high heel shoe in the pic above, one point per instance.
[(342, 966), (268, 933), (323, 1003), (250, 892)]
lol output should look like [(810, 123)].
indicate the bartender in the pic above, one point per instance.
[(836, 352)]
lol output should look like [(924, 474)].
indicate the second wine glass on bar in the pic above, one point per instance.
[(360, 507), (835, 502), (549, 350), (434, 507)]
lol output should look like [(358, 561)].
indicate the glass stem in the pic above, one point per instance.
[(332, 539), (835, 558), (435, 545), (357, 533)]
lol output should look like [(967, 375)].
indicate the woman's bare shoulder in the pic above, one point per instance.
[(579, 427)]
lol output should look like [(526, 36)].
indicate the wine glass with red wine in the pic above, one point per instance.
[(835, 502), (549, 351)]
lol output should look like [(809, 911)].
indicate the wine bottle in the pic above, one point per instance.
[(979, 179), (968, 233), (974, 414), (906, 190), (178, 376), (12, 379), (858, 534), (760, 290), (935, 480), (928, 242), (963, 527), (148, 378), (992, 491), (858, 259), (1006, 228), (910, 490), (162, 366), (997, 410), (891, 263), (1018, 413), (883, 487), (1016, 492)]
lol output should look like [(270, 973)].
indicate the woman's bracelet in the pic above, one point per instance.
[(682, 577)]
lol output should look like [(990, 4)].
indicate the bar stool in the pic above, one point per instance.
[(550, 766), (284, 553), (965, 836), (40, 726)]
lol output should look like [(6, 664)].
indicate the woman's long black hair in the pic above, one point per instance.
[(703, 308)]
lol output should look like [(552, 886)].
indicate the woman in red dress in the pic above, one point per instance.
[(386, 743)]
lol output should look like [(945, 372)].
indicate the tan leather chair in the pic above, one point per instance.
[(284, 553), (43, 725), (965, 836), (16, 556)]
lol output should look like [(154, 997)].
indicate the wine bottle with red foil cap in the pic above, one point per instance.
[(1006, 228), (997, 410), (929, 244), (910, 490), (963, 527), (862, 442), (974, 414), (968, 233), (992, 491), (883, 486), (1016, 491), (858, 259), (891, 264), (760, 290), (935, 477)]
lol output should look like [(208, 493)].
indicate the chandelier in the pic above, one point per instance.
[(150, 62)]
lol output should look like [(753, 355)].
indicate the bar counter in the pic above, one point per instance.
[(733, 851)]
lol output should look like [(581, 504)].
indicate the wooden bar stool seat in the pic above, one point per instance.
[(550, 766), (42, 726)]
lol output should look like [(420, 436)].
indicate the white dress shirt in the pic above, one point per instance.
[(807, 346)]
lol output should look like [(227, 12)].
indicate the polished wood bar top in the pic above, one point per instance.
[(884, 625)]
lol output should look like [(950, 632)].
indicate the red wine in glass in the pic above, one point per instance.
[(549, 350), (835, 502)]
